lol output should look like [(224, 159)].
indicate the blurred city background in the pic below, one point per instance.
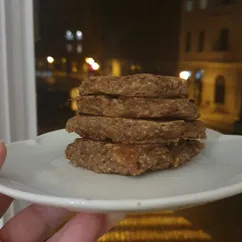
[(198, 40)]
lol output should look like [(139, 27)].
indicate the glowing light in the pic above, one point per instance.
[(95, 66), (199, 74), (89, 61), (79, 35), (69, 47), (79, 49), (63, 60), (73, 94), (132, 67), (50, 59), (69, 35), (185, 74), (74, 67)]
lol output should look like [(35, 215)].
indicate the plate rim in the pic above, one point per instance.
[(122, 204), (125, 204)]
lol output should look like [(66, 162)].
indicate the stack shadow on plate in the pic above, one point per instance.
[(134, 124)]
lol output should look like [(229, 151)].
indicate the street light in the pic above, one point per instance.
[(185, 74), (95, 66), (89, 61), (50, 59)]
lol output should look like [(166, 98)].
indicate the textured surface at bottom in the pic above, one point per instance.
[(130, 159)]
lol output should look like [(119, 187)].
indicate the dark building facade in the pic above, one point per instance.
[(131, 31)]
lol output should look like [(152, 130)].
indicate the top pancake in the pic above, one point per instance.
[(138, 85)]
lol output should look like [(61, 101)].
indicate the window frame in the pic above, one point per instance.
[(18, 119)]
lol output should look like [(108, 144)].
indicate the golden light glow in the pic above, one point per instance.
[(63, 60), (74, 67), (89, 61), (73, 94), (153, 220), (132, 67), (160, 226), (116, 68), (156, 235), (185, 74), (95, 66), (50, 59), (157, 226)]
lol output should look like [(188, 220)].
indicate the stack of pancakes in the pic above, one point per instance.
[(134, 124)]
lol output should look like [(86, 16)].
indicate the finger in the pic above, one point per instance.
[(86, 227), (4, 200), (34, 223)]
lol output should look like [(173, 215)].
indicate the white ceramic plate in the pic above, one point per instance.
[(36, 171)]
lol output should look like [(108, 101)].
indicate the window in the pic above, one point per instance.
[(188, 41), (189, 5), (79, 49), (79, 35), (201, 42), (74, 67), (69, 35), (69, 47), (203, 4), (224, 39), (219, 90)]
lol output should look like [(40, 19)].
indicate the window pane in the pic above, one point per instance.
[(78, 39)]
